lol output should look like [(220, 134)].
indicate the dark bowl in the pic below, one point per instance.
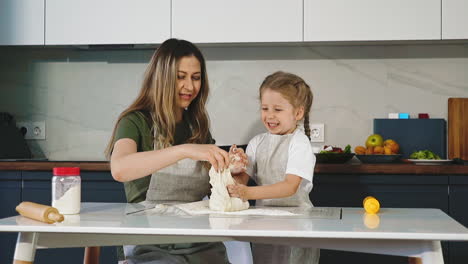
[(377, 158), (333, 157)]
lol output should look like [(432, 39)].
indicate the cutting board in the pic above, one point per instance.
[(415, 134), (458, 128)]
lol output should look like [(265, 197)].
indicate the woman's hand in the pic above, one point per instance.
[(238, 190), (216, 156), (238, 160)]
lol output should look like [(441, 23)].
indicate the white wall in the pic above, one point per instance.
[(79, 93)]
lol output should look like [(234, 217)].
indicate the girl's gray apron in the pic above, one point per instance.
[(183, 182), (271, 160)]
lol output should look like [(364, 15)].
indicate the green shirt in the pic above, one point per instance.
[(137, 126)]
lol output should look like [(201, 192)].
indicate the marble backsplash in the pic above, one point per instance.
[(80, 92)]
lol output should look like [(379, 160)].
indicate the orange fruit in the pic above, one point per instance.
[(387, 150), (370, 150), (360, 150), (378, 150), (393, 145)]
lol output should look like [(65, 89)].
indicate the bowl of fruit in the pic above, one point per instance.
[(330, 154), (379, 158), (378, 150)]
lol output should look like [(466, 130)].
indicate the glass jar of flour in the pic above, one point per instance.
[(66, 190)]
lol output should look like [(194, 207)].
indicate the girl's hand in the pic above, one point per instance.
[(238, 190), (238, 160), (217, 157)]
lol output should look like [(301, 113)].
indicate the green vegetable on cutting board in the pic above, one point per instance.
[(424, 154)]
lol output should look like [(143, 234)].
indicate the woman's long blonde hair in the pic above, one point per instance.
[(157, 96), (294, 89)]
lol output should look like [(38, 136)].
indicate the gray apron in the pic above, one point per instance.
[(271, 160), (183, 182)]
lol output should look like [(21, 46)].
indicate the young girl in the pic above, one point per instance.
[(281, 161), (159, 141)]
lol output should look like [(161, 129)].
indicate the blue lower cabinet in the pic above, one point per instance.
[(10, 195), (397, 191), (37, 187), (95, 187), (101, 187)]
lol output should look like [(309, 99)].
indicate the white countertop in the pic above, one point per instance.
[(389, 223)]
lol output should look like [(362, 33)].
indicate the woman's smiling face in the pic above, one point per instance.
[(188, 81), (278, 115)]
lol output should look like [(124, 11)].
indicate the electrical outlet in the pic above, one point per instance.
[(317, 133), (32, 129)]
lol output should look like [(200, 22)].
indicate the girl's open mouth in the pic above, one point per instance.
[(272, 125)]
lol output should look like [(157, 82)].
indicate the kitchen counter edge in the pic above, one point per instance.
[(349, 168)]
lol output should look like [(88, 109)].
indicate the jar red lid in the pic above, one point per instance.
[(66, 171)]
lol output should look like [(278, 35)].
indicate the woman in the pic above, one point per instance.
[(160, 140)]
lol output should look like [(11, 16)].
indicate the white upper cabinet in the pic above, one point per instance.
[(72, 22), (21, 22), (215, 21), (347, 20), (454, 19)]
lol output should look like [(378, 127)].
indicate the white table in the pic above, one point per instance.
[(402, 232)]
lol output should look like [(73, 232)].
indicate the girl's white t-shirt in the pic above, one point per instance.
[(301, 159)]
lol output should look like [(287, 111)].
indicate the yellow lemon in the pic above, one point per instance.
[(371, 205)]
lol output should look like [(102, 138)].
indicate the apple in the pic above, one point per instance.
[(374, 140)]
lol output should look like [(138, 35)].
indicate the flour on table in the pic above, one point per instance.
[(203, 208), (220, 199)]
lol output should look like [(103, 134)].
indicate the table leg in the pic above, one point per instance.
[(412, 260), (91, 255), (432, 253), (25, 248)]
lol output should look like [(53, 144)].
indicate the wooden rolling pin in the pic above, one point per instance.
[(39, 212)]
